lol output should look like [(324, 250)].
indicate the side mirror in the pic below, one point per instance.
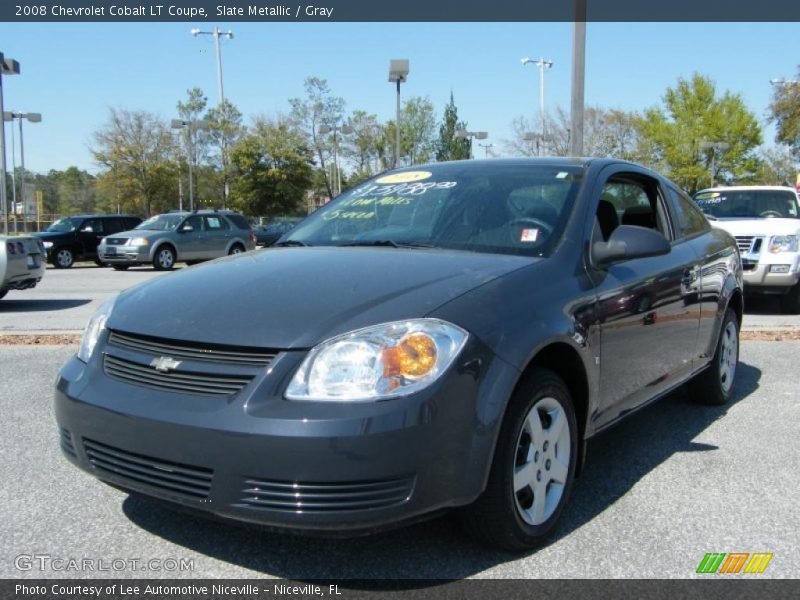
[(627, 242)]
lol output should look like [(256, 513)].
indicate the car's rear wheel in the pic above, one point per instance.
[(236, 249), (715, 384), (533, 467), (63, 258), (790, 302), (164, 259)]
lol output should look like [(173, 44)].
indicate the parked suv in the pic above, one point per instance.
[(765, 220), (190, 237), (76, 238)]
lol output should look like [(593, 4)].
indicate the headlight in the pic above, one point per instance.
[(48, 244), (783, 243), (94, 328), (138, 242), (378, 362)]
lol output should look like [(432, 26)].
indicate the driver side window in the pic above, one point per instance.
[(629, 200)]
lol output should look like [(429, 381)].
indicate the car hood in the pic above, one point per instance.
[(759, 226), (292, 298)]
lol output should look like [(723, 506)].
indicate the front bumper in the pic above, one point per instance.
[(758, 276), (313, 466), (123, 255)]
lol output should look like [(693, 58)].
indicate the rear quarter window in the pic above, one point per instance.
[(689, 220), (239, 221)]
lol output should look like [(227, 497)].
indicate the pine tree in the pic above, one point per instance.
[(448, 146)]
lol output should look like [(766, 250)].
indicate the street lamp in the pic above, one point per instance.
[(8, 66), (217, 34), (542, 64), (714, 146), (486, 149), (32, 118), (345, 130), (398, 73), (189, 128), (783, 82), (463, 134)]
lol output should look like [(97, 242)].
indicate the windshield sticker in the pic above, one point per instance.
[(406, 177), (377, 201), (707, 196), (347, 214), (529, 235), (710, 201), (407, 189), (561, 175)]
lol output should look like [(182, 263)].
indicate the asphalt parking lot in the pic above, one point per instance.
[(65, 299), (668, 485)]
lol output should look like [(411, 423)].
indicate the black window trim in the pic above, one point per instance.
[(672, 207)]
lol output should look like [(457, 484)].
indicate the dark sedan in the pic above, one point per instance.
[(440, 337), (267, 235)]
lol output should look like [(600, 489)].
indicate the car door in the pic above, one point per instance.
[(648, 323), (218, 233), (190, 238), (90, 232)]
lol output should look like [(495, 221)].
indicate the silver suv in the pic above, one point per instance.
[(166, 239)]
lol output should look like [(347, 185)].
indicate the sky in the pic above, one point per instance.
[(73, 73)]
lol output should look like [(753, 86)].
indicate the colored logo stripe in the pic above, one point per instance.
[(758, 563), (734, 562), (716, 562), (711, 562)]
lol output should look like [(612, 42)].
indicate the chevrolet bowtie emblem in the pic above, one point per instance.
[(165, 364)]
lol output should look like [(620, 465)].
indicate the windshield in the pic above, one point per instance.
[(479, 207), (748, 203), (63, 226), (161, 223)]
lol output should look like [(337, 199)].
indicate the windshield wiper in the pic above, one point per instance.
[(286, 243), (389, 243)]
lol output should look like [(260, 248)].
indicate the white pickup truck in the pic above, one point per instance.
[(22, 263), (765, 220)]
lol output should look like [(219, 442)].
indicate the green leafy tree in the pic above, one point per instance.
[(785, 113), (318, 107), (418, 130), (693, 113), (272, 167), (225, 128), (448, 146), (136, 149), (777, 166)]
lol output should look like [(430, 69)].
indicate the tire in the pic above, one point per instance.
[(100, 263), (3, 294), (63, 258), (715, 385), (790, 302), (510, 514), (236, 249), (120, 267), (164, 258)]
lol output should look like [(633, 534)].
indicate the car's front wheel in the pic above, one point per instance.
[(533, 468), (236, 249), (164, 259), (63, 259), (715, 384)]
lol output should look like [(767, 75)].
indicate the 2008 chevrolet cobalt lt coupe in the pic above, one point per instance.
[(447, 336)]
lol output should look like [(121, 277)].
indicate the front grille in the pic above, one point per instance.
[(114, 241), (749, 244), (66, 442), (193, 351), (174, 478), (296, 497), (181, 382)]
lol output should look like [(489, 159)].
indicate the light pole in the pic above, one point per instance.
[(398, 73), (190, 129), (542, 64), (486, 149), (32, 118), (8, 66), (463, 134), (714, 146), (217, 34), (345, 130), (578, 79), (781, 82)]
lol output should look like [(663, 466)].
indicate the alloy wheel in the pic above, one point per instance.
[(165, 258), (64, 258), (728, 356)]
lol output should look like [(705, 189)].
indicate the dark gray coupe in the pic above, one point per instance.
[(439, 337)]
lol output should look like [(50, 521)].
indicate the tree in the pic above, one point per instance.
[(318, 107), (224, 129), (418, 130), (448, 146), (785, 113), (776, 166), (135, 147), (362, 147), (693, 113), (272, 167)]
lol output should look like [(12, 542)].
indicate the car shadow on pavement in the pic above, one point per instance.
[(437, 549), (12, 305), (762, 305)]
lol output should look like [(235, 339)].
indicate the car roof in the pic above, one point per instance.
[(100, 216), (566, 161)]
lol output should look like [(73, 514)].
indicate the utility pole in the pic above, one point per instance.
[(542, 64), (578, 79), (8, 66)]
